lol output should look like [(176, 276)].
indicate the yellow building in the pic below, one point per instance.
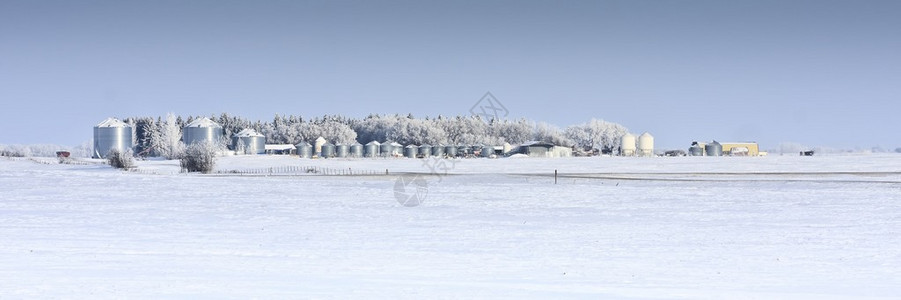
[(741, 149)]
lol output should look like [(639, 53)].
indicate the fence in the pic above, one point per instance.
[(300, 170)]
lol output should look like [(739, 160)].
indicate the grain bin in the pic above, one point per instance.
[(410, 151), (450, 151), (317, 145), (628, 146), (111, 134), (327, 150), (371, 149), (438, 150), (696, 150), (202, 130), (463, 150), (304, 150), (249, 141), (425, 150), (646, 144), (487, 151), (714, 149), (387, 149), (342, 150), (398, 149), (356, 150)]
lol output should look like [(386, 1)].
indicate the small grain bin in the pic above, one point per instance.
[(201, 130), (249, 141), (387, 149), (410, 151), (438, 150), (371, 149), (342, 150), (450, 151), (328, 150), (714, 149), (646, 144), (111, 134), (425, 150), (304, 150), (487, 151), (317, 145), (463, 150), (628, 146), (696, 150), (356, 150)]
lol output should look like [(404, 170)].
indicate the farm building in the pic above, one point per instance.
[(725, 148), (741, 149), (283, 149), (543, 149)]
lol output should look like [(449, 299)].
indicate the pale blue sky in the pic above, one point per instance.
[(821, 73)]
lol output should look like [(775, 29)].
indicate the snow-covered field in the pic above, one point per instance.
[(622, 228)]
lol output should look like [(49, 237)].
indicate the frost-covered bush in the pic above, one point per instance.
[(121, 159), (199, 157)]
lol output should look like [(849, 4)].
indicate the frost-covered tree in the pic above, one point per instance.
[(545, 132), (199, 157), (166, 141), (337, 132), (596, 134)]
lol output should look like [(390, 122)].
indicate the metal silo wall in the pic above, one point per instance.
[(193, 135), (109, 138)]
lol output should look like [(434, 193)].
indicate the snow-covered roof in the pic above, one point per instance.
[(537, 143), (279, 147), (203, 122), (112, 122), (248, 132)]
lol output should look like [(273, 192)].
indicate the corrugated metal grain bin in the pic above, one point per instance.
[(111, 134)]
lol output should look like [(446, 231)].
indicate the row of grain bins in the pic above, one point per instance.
[(642, 145), (113, 134), (730, 149)]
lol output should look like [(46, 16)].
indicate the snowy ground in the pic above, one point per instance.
[(622, 228)]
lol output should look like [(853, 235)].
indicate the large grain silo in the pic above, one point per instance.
[(646, 144), (714, 149), (327, 150), (628, 146), (410, 151), (356, 150), (425, 150), (371, 149), (201, 130), (249, 141), (304, 150), (111, 134), (342, 150)]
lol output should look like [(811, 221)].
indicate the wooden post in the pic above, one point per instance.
[(555, 176)]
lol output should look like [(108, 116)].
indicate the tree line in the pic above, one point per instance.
[(160, 136)]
